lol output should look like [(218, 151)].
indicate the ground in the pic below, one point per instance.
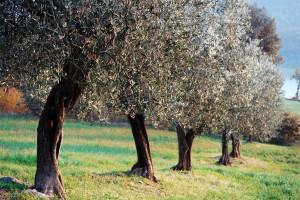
[(4, 194), (94, 161)]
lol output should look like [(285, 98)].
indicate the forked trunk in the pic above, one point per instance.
[(182, 149), (185, 142), (61, 99), (143, 166), (235, 153), (190, 135), (224, 160)]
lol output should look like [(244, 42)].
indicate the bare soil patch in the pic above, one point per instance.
[(4, 195)]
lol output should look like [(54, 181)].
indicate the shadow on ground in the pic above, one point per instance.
[(10, 185)]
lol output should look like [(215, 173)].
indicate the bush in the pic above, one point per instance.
[(11, 101), (289, 130)]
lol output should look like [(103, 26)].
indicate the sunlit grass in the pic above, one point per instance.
[(94, 160), (292, 106)]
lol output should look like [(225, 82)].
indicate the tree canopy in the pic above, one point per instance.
[(263, 28), (187, 62)]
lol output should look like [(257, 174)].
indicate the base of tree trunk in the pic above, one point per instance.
[(50, 184), (38, 195), (185, 142), (143, 166), (235, 153), (178, 167), (224, 160), (142, 171)]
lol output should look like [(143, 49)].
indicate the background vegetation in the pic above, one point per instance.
[(93, 160), (11, 101)]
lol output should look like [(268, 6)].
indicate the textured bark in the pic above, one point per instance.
[(143, 167), (224, 160), (235, 153), (182, 149), (60, 101), (185, 142), (190, 135)]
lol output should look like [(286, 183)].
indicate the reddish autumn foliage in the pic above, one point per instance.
[(11, 101), (289, 130)]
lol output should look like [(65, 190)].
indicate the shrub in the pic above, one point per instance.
[(11, 101), (289, 130)]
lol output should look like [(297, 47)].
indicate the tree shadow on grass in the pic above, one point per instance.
[(12, 188), (12, 184), (117, 174), (9, 185), (113, 173)]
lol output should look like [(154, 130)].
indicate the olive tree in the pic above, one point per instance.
[(245, 71), (216, 90), (142, 87), (260, 107), (248, 104), (57, 45), (222, 26), (112, 54)]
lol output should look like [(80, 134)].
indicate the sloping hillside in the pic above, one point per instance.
[(93, 160)]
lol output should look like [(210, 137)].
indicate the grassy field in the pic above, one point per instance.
[(292, 106), (93, 160)]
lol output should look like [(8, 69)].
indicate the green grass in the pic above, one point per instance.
[(292, 106), (93, 160)]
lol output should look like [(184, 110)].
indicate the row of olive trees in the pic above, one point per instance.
[(190, 63), (238, 100)]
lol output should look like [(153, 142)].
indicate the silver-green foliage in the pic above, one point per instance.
[(188, 62), (228, 83)]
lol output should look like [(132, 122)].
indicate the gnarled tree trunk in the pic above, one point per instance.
[(143, 166), (224, 160), (185, 142), (60, 101), (235, 153)]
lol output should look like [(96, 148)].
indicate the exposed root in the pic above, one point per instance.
[(142, 171), (224, 160)]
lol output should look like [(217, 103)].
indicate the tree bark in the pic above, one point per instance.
[(182, 149), (190, 135), (250, 139), (235, 153), (185, 142), (143, 167), (224, 160), (60, 101)]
